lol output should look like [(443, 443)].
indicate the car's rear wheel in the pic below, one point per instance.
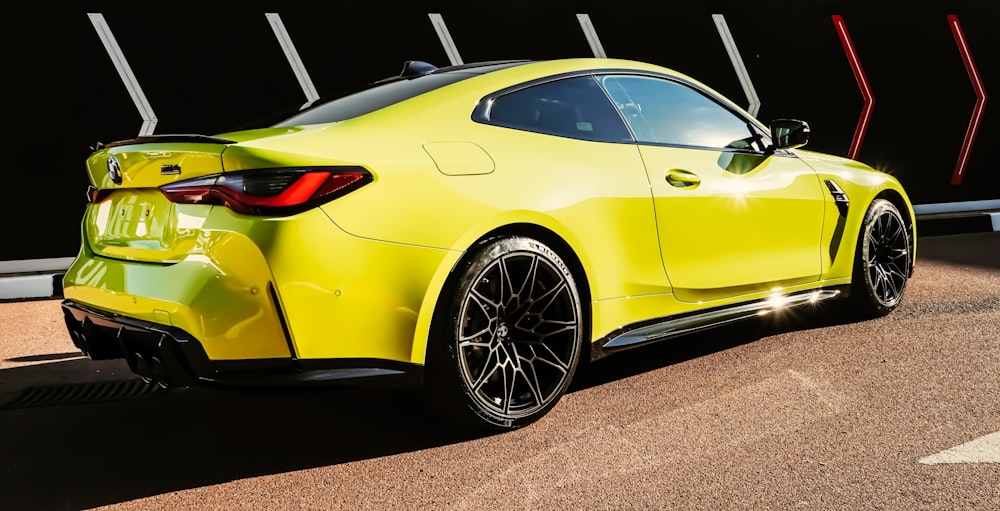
[(882, 261), (508, 338)]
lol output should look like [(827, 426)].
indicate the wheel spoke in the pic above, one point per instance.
[(483, 301), (509, 377), (889, 286), (467, 340), (484, 305), (897, 254), (549, 297), (491, 364), (529, 282), (894, 272), (882, 221), (879, 281), (531, 379), (558, 327), (552, 359), (506, 284), (896, 232)]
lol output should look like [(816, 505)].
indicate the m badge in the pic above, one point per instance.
[(170, 169)]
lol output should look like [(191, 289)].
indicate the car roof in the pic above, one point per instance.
[(418, 78)]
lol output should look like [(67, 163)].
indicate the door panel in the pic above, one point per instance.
[(734, 223), (732, 217)]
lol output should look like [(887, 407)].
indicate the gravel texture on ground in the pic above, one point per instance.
[(802, 411)]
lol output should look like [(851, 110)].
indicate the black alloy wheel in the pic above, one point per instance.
[(510, 342), (883, 261)]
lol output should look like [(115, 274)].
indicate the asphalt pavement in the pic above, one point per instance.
[(802, 411)]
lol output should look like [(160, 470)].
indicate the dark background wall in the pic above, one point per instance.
[(209, 66)]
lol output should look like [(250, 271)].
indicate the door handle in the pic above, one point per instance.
[(682, 178)]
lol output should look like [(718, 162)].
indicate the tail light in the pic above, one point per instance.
[(270, 192)]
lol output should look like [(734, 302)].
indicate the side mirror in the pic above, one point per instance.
[(789, 133)]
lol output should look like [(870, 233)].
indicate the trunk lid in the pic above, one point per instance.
[(149, 162), (133, 220)]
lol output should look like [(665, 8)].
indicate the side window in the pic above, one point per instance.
[(571, 107), (661, 111)]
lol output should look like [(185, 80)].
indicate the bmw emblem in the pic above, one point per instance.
[(114, 170)]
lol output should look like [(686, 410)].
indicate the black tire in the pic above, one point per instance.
[(882, 262), (507, 337)]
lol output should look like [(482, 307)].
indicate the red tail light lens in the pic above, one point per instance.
[(271, 192)]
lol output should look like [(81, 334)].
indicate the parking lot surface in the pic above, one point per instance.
[(803, 411)]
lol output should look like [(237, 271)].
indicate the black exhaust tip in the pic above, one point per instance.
[(141, 367), (92, 341), (159, 372)]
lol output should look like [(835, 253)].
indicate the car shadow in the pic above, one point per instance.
[(680, 349), (80, 450), (80, 455)]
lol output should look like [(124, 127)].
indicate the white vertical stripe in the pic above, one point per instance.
[(445, 36), (591, 33), (125, 72), (738, 65), (293, 58)]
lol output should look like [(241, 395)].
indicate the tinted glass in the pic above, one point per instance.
[(371, 99), (661, 111), (571, 107)]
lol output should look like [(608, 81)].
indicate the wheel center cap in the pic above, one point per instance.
[(503, 331)]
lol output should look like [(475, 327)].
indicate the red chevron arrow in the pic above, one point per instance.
[(866, 90), (977, 112)]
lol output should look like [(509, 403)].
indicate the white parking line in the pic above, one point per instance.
[(985, 449)]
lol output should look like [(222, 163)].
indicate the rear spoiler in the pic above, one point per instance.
[(181, 138)]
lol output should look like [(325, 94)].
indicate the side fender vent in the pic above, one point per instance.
[(839, 196)]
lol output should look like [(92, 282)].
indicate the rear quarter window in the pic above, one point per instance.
[(574, 107)]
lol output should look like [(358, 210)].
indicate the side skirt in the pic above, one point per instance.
[(668, 327)]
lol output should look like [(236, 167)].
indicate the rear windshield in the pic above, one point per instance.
[(371, 99)]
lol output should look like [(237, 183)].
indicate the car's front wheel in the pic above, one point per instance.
[(508, 339), (882, 261)]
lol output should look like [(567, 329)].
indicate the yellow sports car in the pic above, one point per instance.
[(482, 227)]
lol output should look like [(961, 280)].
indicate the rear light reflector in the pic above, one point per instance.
[(270, 192)]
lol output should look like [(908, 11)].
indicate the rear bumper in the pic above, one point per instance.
[(266, 288), (170, 356), (158, 353)]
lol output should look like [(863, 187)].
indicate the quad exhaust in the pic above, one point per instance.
[(150, 350), (150, 369)]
